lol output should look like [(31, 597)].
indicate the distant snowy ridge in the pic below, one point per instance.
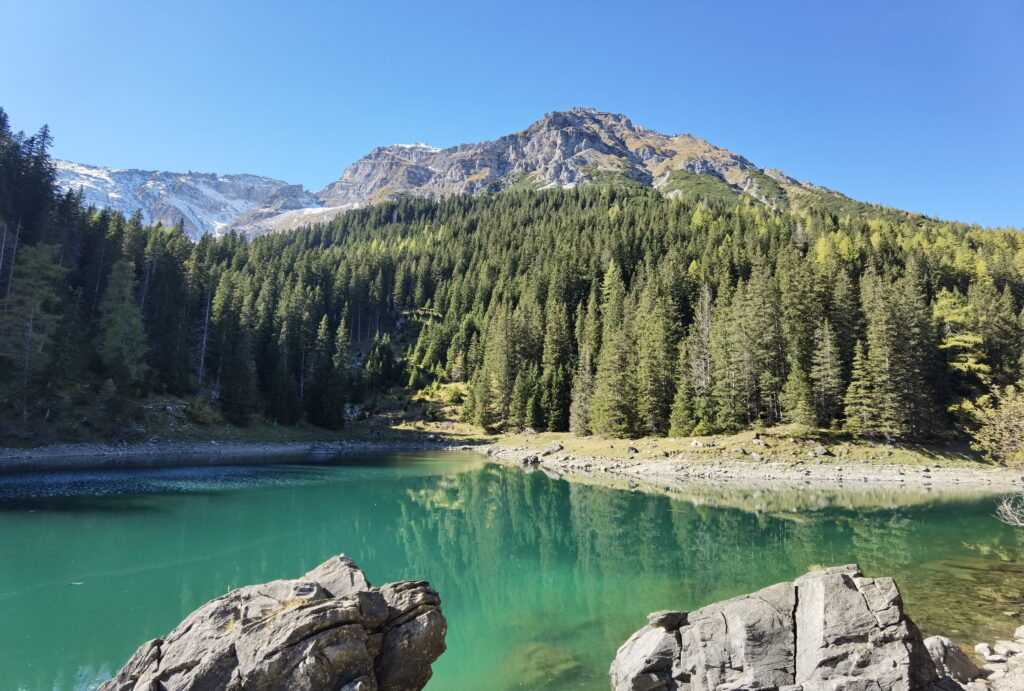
[(206, 203)]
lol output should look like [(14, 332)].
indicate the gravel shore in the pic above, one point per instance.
[(664, 472)]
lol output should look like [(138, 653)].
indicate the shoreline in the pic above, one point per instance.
[(650, 474), (673, 472), (69, 457)]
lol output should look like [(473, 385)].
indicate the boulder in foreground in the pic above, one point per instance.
[(830, 630), (327, 630)]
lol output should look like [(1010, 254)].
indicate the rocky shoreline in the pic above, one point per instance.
[(648, 470), (169, 454), (663, 472), (829, 630)]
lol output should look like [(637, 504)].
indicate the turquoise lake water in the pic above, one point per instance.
[(541, 580)]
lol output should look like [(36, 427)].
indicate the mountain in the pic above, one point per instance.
[(562, 149), (205, 202)]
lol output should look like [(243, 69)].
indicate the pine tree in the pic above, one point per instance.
[(612, 413), (28, 318), (727, 367), (285, 405), (845, 318), (797, 398), (321, 403), (801, 308), (859, 399), (588, 338), (122, 345), (555, 360), (380, 370), (918, 363), (682, 419), (655, 365), (496, 377), (554, 400), (826, 375), (341, 376), (518, 401), (235, 372), (699, 362), (887, 412)]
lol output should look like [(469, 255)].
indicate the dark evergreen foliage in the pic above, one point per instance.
[(603, 309)]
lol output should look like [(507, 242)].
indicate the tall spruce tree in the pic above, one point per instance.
[(555, 362), (655, 364), (612, 411), (859, 399), (122, 345), (682, 418), (589, 339), (29, 314), (699, 362), (826, 375)]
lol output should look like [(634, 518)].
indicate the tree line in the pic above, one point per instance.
[(602, 310)]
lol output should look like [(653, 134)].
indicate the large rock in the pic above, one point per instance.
[(830, 630), (327, 630), (950, 661)]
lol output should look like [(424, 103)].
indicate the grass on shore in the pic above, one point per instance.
[(786, 443), (433, 414)]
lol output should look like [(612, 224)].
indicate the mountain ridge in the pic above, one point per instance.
[(562, 149), (205, 203)]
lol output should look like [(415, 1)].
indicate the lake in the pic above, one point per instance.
[(540, 579)]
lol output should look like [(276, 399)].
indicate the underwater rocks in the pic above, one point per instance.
[(538, 666), (327, 630), (1004, 664), (830, 630)]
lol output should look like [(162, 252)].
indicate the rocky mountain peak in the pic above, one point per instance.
[(562, 149)]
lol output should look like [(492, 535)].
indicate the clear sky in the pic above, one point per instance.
[(914, 104)]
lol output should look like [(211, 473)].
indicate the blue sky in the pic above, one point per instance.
[(909, 103)]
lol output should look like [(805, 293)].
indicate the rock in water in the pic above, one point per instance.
[(830, 630), (950, 661), (327, 630)]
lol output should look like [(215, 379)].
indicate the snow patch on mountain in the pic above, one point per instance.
[(206, 203)]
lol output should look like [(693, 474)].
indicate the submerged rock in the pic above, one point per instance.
[(830, 630), (327, 630), (537, 665)]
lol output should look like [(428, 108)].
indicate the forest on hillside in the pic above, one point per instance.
[(605, 309)]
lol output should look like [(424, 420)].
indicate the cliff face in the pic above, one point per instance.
[(327, 630)]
